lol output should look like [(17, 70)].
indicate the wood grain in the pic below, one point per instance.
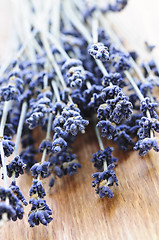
[(78, 212)]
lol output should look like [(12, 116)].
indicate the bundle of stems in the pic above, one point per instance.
[(70, 69)]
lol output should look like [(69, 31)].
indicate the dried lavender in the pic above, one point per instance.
[(103, 159), (71, 69)]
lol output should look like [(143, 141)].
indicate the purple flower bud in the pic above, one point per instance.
[(16, 167), (37, 188), (99, 51), (40, 212)]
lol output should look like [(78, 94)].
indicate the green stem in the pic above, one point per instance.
[(20, 127), (61, 50), (56, 19), (100, 142), (54, 86), (6, 108), (3, 164), (52, 60), (99, 139)]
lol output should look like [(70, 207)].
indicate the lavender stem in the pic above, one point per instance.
[(100, 142), (20, 127)]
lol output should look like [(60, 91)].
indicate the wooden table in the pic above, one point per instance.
[(78, 212)]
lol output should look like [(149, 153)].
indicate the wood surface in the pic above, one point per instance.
[(78, 212)]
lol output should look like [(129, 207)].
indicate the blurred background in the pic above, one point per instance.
[(138, 22)]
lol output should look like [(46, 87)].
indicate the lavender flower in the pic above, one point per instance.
[(104, 180), (123, 139), (118, 6), (71, 63), (108, 129), (45, 144), (71, 167), (115, 109), (7, 212), (115, 79), (16, 167), (8, 147), (40, 212), (58, 144), (13, 90), (70, 122), (99, 51), (28, 156), (40, 169), (147, 105), (15, 210), (101, 156), (37, 188), (145, 145), (75, 77), (38, 109), (16, 190)]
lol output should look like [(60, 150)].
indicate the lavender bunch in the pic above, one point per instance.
[(72, 69)]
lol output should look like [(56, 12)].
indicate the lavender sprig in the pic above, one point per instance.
[(103, 159)]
